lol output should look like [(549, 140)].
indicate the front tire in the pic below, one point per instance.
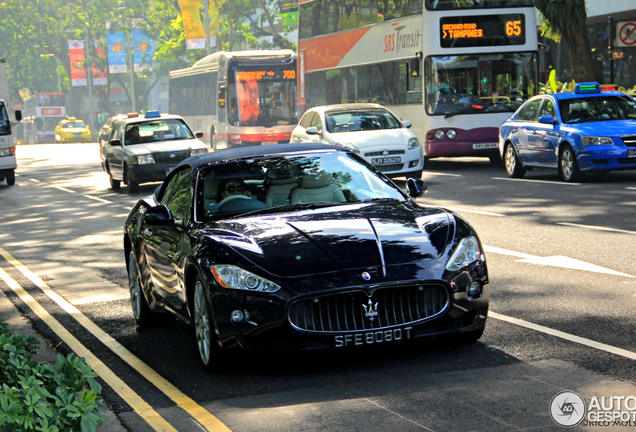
[(209, 350), (512, 163), (133, 187), (10, 178), (143, 315), (568, 166)]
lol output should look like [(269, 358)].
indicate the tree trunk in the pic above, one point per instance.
[(580, 51)]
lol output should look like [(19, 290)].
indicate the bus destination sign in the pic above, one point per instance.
[(482, 30), (259, 75)]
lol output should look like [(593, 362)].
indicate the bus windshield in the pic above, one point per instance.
[(474, 84), (262, 98)]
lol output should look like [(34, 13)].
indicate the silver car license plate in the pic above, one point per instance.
[(386, 160), (485, 145)]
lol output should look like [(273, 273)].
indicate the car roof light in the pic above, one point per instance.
[(131, 115), (153, 114), (589, 87), (608, 87)]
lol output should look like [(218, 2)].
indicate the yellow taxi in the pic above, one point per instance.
[(72, 130)]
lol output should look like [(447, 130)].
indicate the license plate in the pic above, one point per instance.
[(373, 337), (269, 142), (386, 160), (485, 145), (631, 152)]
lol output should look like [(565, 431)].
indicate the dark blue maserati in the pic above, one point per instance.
[(301, 247)]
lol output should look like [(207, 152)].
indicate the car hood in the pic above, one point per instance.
[(165, 146), (608, 128), (361, 236), (385, 136)]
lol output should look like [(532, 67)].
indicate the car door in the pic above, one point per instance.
[(167, 245), (115, 154), (524, 133), (545, 136)]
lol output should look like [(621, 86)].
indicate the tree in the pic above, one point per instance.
[(568, 19)]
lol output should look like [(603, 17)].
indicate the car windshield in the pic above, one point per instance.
[(289, 183), (353, 121), (157, 130), (73, 125), (601, 108)]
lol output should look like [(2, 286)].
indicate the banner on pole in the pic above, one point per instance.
[(117, 53), (100, 77), (192, 24), (76, 57), (142, 51)]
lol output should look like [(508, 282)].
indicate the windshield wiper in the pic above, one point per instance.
[(384, 199), (286, 208)]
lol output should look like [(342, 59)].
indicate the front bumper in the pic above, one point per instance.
[(150, 172), (610, 158), (8, 163)]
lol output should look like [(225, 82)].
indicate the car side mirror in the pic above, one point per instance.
[(547, 119), (198, 135), (313, 130), (159, 215), (18, 115), (416, 187), (115, 143), (407, 124)]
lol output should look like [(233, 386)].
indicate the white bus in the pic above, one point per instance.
[(241, 98), (455, 68), (41, 113)]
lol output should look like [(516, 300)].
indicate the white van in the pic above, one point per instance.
[(7, 145)]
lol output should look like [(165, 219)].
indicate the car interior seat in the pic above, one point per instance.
[(279, 182), (316, 187), (210, 192)]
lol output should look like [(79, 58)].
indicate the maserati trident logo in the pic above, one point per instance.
[(370, 310)]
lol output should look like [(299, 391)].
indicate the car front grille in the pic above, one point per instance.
[(381, 153), (386, 168), (353, 311), (167, 157), (629, 140)]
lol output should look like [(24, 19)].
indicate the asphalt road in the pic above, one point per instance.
[(563, 311)]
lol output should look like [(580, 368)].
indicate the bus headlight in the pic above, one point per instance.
[(451, 133), (440, 134)]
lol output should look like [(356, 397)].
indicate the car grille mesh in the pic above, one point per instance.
[(345, 312), (166, 157), (629, 140)]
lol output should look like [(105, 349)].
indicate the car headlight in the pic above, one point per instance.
[(233, 277), (351, 147), (196, 152), (466, 253), (594, 141), (145, 159), (440, 134), (413, 143)]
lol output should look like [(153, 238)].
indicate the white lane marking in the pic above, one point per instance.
[(631, 188), (569, 337), (35, 180), (599, 228), (537, 181), (63, 189), (399, 415), (556, 261), (98, 199), (475, 211), (442, 174)]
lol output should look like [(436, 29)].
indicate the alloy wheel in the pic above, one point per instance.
[(202, 323), (134, 285)]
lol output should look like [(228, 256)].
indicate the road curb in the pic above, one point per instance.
[(46, 352)]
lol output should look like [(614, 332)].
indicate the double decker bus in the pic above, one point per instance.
[(41, 113), (455, 68), (241, 98)]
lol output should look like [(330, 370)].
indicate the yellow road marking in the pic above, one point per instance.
[(140, 406), (206, 419)]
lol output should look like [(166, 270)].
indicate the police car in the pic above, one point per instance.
[(592, 129), (143, 149)]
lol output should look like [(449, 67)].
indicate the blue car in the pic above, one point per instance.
[(588, 130)]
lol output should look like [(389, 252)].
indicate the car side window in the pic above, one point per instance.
[(315, 122), (117, 135), (547, 108), (529, 112), (178, 194), (304, 122)]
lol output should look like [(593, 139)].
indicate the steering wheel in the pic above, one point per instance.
[(230, 198)]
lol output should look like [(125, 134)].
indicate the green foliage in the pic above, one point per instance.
[(43, 397), (555, 86)]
